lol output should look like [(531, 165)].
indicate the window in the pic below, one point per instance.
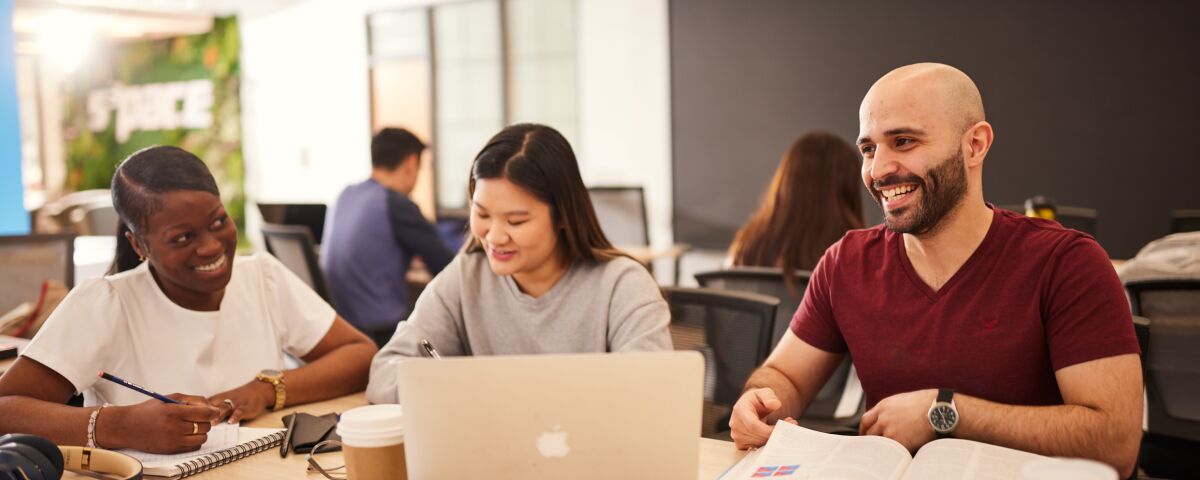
[(468, 69)]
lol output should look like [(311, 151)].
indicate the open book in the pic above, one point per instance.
[(226, 443), (794, 453)]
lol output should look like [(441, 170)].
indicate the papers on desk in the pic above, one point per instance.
[(226, 443), (221, 436)]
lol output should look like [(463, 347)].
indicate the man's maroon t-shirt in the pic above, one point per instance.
[(1032, 299)]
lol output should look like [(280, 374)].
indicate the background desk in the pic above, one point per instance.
[(715, 455)]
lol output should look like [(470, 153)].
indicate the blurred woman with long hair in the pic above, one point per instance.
[(812, 201)]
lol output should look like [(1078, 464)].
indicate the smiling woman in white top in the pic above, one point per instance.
[(181, 314), (537, 274)]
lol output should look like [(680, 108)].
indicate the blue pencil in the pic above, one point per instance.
[(134, 387)]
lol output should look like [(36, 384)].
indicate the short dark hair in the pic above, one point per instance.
[(137, 184), (391, 146)]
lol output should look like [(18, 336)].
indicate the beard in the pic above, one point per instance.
[(942, 190)]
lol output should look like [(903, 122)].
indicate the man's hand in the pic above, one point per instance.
[(903, 417), (746, 420)]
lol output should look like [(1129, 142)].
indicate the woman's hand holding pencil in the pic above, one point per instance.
[(169, 424)]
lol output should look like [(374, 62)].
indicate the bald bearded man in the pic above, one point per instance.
[(963, 320)]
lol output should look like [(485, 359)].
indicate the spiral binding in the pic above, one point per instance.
[(229, 455)]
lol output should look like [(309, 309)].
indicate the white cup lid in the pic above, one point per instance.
[(371, 424)]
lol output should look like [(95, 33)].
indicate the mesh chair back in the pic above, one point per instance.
[(1173, 354), (731, 328), (1185, 221), (28, 260), (621, 212), (762, 280), (769, 281), (294, 247)]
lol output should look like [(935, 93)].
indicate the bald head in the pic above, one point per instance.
[(933, 91), (923, 139)]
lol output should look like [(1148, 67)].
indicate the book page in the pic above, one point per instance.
[(952, 458), (794, 453), (223, 436)]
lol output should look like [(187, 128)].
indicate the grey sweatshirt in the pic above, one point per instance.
[(612, 306)]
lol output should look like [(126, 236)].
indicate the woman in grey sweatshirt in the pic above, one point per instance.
[(537, 274)]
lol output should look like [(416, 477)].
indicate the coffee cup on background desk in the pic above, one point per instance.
[(373, 442)]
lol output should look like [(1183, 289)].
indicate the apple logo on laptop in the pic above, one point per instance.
[(553, 444)]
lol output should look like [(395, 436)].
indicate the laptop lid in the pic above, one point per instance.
[(578, 416)]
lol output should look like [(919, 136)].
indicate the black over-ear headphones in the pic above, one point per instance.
[(30, 457)]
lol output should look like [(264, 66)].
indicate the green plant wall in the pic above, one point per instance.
[(153, 68)]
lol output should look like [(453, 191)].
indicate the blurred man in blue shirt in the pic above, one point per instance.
[(372, 234)]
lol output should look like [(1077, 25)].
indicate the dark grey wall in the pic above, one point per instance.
[(1094, 103)]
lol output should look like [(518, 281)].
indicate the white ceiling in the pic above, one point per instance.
[(120, 20), (178, 7)]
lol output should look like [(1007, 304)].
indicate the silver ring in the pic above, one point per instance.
[(229, 402), (195, 428)]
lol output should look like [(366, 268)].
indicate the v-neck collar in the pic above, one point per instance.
[(550, 295), (988, 240)]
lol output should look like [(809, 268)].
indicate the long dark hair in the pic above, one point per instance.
[(135, 188), (539, 160), (812, 201)]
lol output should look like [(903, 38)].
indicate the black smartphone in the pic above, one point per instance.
[(7, 351)]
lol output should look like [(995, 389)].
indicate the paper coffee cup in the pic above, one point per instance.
[(1067, 469), (373, 442)]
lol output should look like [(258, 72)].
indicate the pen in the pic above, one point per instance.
[(134, 387), (287, 436), (429, 349)]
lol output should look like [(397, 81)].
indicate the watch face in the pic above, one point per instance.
[(943, 418), (271, 373)]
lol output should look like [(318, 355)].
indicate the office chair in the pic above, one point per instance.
[(1079, 218), (842, 387), (95, 219), (69, 213), (308, 215), (1171, 352), (762, 280), (293, 246), (1083, 219), (1185, 221), (732, 330), (28, 260), (621, 212)]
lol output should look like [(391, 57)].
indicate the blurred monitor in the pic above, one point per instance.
[(311, 215)]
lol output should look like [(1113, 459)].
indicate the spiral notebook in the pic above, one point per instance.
[(226, 443)]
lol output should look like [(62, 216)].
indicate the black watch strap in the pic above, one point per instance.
[(945, 395)]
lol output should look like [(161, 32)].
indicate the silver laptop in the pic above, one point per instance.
[(580, 416)]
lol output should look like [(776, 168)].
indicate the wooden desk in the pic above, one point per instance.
[(647, 255), (715, 455)]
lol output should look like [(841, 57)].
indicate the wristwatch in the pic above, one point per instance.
[(275, 378), (943, 414)]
